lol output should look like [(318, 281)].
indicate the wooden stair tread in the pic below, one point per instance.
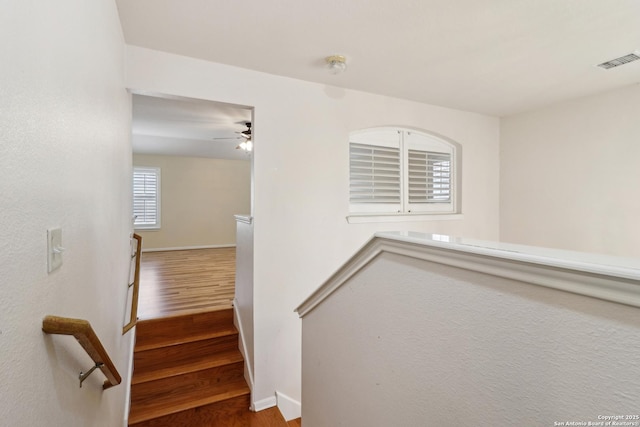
[(197, 324), (161, 358), (219, 359), (190, 317), (212, 414), (143, 411), (183, 339), (204, 382)]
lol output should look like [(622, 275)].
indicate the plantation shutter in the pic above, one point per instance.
[(374, 174), (146, 204), (375, 171), (429, 177), (400, 171)]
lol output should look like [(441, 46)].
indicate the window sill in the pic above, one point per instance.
[(370, 218), (146, 228)]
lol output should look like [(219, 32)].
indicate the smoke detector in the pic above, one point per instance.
[(336, 63)]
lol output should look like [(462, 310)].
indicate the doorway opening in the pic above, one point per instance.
[(204, 179)]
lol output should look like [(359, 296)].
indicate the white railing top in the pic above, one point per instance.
[(247, 219), (600, 276)]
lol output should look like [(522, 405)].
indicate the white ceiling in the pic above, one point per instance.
[(187, 127), (496, 57)]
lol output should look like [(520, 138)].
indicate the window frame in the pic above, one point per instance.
[(158, 192), (407, 139)]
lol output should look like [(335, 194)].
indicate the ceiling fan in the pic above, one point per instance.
[(247, 144), (246, 134)]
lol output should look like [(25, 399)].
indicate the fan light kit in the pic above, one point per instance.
[(336, 63), (245, 145)]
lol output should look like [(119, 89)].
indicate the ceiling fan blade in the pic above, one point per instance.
[(227, 137)]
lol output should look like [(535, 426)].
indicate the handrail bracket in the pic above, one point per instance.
[(84, 376)]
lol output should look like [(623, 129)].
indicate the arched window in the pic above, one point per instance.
[(401, 171)]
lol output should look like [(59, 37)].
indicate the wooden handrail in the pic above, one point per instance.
[(133, 319), (83, 332)]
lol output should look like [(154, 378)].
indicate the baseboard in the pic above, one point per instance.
[(185, 248), (248, 375), (290, 408), (267, 403)]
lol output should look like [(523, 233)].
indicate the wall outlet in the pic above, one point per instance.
[(54, 249)]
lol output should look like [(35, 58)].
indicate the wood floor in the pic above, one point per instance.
[(184, 282), (174, 283), (268, 418)]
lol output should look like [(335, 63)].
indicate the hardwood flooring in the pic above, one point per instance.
[(184, 282), (268, 418)]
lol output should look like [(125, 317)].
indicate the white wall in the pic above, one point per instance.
[(199, 198), (413, 343), (569, 175), (301, 184), (65, 160), (243, 302)]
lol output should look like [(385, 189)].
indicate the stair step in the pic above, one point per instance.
[(154, 333), (177, 340), (190, 352), (226, 396), (219, 359), (173, 388), (212, 414)]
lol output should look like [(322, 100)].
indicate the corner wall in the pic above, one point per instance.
[(569, 175), (65, 160), (199, 198), (301, 176)]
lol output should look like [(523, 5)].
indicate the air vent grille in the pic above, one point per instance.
[(619, 61)]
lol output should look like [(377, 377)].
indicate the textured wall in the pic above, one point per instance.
[(65, 160), (200, 197), (413, 343), (569, 175)]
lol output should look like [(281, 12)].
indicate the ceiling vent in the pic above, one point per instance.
[(619, 61)]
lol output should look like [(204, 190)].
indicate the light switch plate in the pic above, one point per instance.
[(54, 249)]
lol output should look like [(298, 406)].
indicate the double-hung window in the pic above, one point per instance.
[(400, 171), (146, 198)]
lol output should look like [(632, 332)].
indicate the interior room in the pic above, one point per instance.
[(538, 100), (205, 179)]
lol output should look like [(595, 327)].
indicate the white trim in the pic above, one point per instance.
[(263, 404), (127, 380), (247, 219), (363, 218), (598, 276), (289, 408), (237, 321), (186, 248)]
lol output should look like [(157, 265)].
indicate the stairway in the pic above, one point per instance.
[(188, 371)]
